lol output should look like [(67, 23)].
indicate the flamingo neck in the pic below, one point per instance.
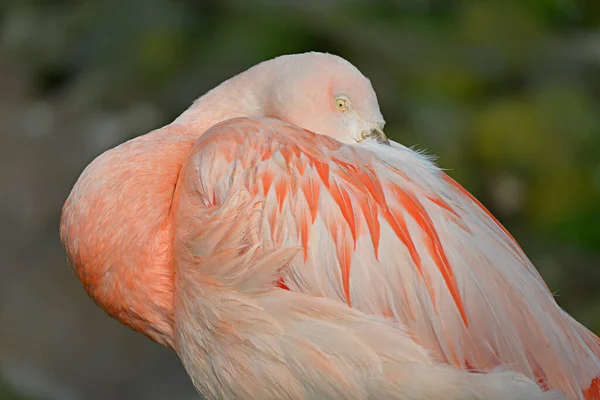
[(116, 225)]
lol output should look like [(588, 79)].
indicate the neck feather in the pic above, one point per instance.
[(116, 225), (243, 95)]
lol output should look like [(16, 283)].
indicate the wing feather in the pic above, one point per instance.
[(387, 232)]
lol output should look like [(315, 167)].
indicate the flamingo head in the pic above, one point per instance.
[(324, 94)]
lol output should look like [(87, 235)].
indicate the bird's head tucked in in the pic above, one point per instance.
[(190, 232), (338, 97), (116, 226)]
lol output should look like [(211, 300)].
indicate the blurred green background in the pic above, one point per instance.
[(506, 93)]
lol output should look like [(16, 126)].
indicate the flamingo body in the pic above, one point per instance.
[(283, 263)]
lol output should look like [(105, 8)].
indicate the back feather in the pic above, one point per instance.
[(383, 230)]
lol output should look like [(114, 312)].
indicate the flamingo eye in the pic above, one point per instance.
[(341, 103)]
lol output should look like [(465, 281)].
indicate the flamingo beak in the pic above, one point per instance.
[(374, 133)]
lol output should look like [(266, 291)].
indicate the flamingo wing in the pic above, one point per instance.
[(384, 230)]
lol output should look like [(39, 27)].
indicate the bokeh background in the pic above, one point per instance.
[(505, 92)]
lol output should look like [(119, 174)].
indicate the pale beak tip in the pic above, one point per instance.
[(383, 140), (376, 134)]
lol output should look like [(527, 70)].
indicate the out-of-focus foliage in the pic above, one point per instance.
[(505, 92)]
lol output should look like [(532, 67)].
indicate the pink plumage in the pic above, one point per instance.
[(275, 239)]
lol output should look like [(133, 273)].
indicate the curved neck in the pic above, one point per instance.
[(116, 226), (240, 96)]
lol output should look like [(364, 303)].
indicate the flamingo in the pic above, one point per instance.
[(284, 248)]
